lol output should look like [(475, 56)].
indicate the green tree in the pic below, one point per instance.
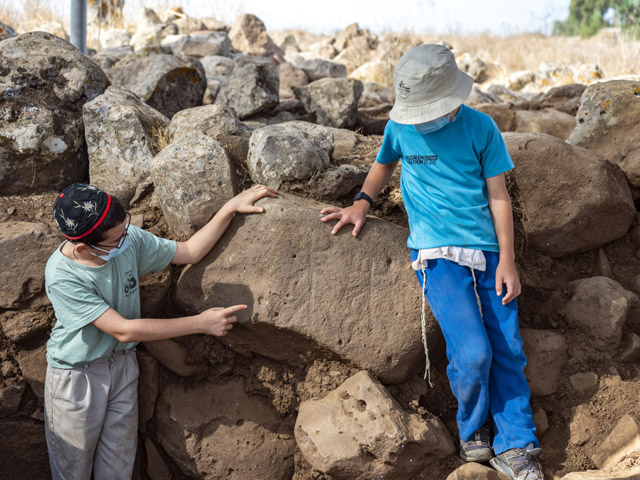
[(586, 17)]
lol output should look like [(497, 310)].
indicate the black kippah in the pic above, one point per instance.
[(79, 209)]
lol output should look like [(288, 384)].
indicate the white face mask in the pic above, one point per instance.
[(433, 125), (114, 252)]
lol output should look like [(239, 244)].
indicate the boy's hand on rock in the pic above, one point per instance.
[(218, 321), (506, 274), (356, 215), (244, 201)]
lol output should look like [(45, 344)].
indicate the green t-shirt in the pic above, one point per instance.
[(79, 294)]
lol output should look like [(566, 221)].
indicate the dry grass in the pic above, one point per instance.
[(158, 138)]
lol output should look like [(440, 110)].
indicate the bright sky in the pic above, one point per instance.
[(500, 17)]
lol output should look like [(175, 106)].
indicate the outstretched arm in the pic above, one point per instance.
[(214, 321), (194, 249), (356, 214), (500, 206)]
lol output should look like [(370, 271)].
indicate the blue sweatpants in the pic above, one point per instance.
[(486, 360)]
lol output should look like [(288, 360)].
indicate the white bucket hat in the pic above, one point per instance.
[(428, 85)]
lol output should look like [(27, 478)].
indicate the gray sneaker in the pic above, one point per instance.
[(518, 464), (478, 448)]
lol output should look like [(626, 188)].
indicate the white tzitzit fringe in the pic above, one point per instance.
[(423, 320)]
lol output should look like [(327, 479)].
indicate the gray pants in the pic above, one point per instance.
[(91, 418)]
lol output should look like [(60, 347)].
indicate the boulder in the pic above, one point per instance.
[(24, 450), (249, 35), (201, 45), (188, 25), (549, 121), (114, 37), (218, 430), (24, 250), (251, 87), (120, 131), (165, 82), (573, 199), (210, 120), (6, 31), (306, 298), (501, 113), (582, 426), (565, 98), (477, 97), (33, 364), (175, 357), (507, 95), (474, 471), (290, 76), (622, 441), (630, 348), (108, 57), (377, 71), (516, 81), (10, 397), (607, 124), (288, 151), (546, 353), (192, 178), (156, 467), (599, 308), (21, 326), (44, 81), (334, 101), (360, 431), (317, 68), (216, 65), (339, 182), (148, 384), (584, 382), (472, 66)]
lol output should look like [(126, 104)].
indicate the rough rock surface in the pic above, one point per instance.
[(210, 120), (288, 151), (41, 131), (174, 356), (296, 272), (546, 353), (549, 121), (290, 76), (502, 114), (317, 68), (251, 88), (120, 132), (573, 199), (249, 35), (607, 124), (219, 431), (623, 440), (6, 31), (165, 82), (192, 178), (23, 443), (599, 307), (474, 471), (360, 431), (334, 101), (216, 65), (202, 45), (24, 251)]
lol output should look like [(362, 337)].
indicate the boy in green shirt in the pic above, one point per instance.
[(91, 412)]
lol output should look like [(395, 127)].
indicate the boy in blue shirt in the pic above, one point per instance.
[(461, 241), (91, 402)]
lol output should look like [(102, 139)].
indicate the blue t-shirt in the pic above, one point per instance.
[(443, 179)]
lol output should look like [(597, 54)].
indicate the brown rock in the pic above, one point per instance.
[(24, 250), (549, 121), (502, 114), (546, 353), (360, 431), (10, 398), (306, 298), (147, 388), (599, 307), (175, 357), (154, 288), (249, 35), (33, 364), (474, 471), (574, 200), (23, 325), (623, 440), (607, 124), (220, 431), (24, 451)]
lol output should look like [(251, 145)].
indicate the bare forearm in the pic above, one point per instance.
[(149, 329), (503, 224), (204, 239), (378, 177)]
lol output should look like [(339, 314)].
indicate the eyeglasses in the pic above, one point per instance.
[(120, 240)]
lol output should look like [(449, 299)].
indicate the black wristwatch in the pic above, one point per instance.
[(363, 196)]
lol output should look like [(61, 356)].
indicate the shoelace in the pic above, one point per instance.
[(521, 461), (481, 438)]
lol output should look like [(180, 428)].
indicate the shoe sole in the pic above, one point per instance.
[(479, 457)]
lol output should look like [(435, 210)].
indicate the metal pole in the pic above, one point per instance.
[(79, 25)]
